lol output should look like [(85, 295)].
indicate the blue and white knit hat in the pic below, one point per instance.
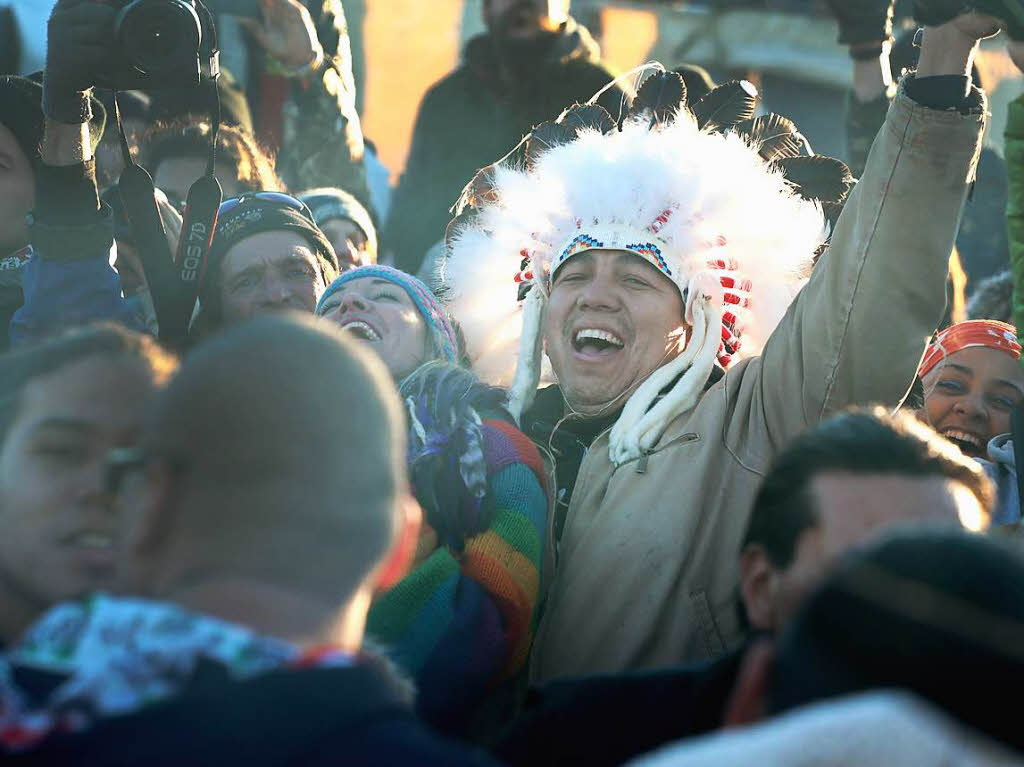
[(426, 303)]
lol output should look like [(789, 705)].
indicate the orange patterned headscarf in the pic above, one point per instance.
[(991, 333)]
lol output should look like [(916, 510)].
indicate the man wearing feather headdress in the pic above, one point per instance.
[(662, 264)]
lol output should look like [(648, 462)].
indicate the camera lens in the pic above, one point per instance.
[(156, 35)]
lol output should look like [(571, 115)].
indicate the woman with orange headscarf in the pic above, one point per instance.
[(972, 381)]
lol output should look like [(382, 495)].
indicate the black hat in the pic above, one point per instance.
[(252, 216), (21, 112), (937, 612)]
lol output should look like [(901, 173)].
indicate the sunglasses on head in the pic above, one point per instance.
[(278, 198)]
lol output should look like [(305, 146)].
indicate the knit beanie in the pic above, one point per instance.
[(426, 303), (21, 112), (329, 202), (250, 217)]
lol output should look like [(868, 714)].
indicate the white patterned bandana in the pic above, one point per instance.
[(111, 656)]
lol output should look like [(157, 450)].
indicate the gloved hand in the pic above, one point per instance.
[(935, 13), (287, 33), (864, 25), (79, 36), (1009, 12)]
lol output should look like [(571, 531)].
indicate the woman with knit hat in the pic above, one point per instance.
[(462, 621), (972, 380), (663, 261), (346, 223)]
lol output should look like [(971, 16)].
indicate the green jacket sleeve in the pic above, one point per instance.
[(1015, 204)]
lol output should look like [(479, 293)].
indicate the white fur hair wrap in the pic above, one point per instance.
[(705, 208)]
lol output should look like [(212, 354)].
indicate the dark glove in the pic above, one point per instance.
[(935, 13), (79, 36), (1009, 12), (864, 25)]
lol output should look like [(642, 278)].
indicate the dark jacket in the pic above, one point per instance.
[(611, 718), (325, 716), (475, 116)]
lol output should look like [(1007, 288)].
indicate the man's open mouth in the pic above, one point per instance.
[(362, 330), (971, 444), (593, 341)]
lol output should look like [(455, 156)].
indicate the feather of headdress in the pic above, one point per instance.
[(547, 136), (659, 98), (587, 116), (479, 190), (726, 106), (774, 137), (825, 179)]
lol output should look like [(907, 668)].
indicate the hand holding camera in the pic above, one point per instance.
[(864, 26), (78, 41), (287, 34)]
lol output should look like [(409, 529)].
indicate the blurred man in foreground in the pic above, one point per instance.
[(897, 659), (263, 518)]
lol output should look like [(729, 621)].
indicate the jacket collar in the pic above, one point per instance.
[(500, 65), (105, 656)]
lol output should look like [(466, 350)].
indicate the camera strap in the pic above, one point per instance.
[(174, 281), (138, 196), (205, 194)]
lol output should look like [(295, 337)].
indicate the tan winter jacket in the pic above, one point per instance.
[(647, 573)]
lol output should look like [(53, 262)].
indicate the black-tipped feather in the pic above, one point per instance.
[(546, 136), (584, 116), (726, 106), (659, 98), (775, 137), (479, 190), (825, 179), (460, 222)]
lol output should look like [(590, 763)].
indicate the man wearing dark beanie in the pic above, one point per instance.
[(268, 255)]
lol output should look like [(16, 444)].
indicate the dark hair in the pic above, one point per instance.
[(938, 613), (993, 299), (868, 441), (253, 166), (20, 367)]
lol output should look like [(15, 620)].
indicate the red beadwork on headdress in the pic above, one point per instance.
[(736, 294)]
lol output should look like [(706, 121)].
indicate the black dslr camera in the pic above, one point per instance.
[(160, 44)]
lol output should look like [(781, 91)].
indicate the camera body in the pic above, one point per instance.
[(160, 44)]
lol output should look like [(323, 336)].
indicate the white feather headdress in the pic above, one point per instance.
[(710, 208)]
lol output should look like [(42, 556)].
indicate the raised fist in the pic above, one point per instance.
[(935, 13), (865, 24), (1010, 14), (79, 36)]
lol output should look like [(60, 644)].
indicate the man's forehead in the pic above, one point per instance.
[(848, 503), (267, 251)]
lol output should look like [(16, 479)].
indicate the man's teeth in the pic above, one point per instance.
[(962, 436), (362, 330), (593, 334)]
